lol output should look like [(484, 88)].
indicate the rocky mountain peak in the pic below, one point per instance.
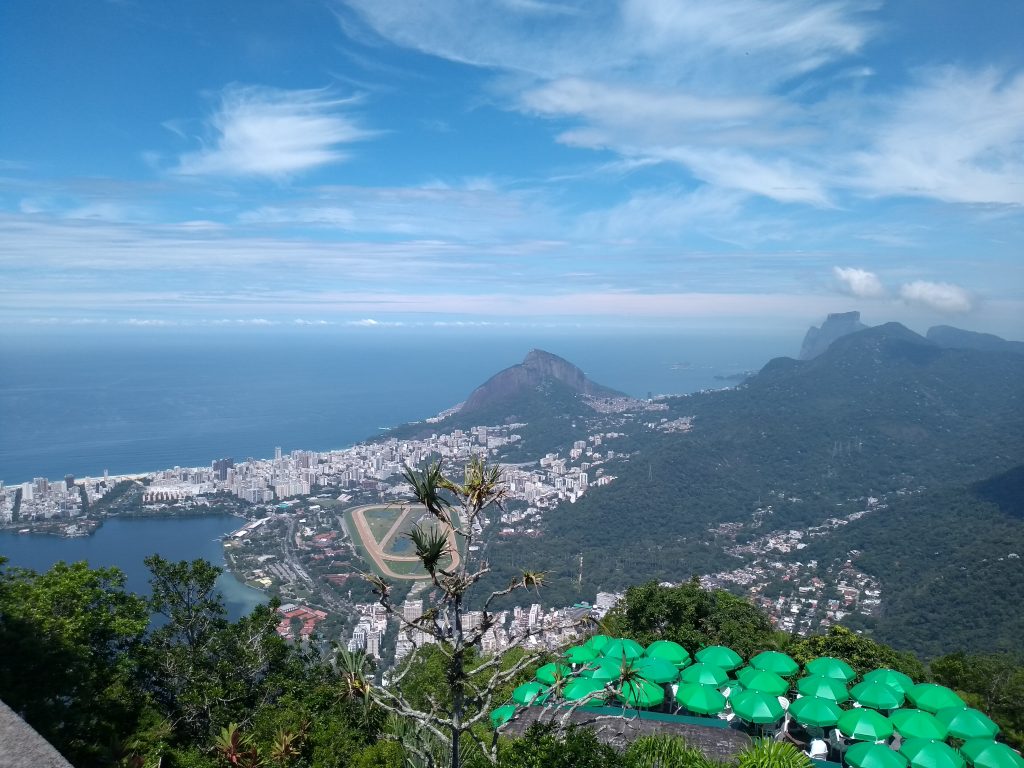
[(538, 367), (836, 326)]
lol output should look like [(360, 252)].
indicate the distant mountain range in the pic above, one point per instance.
[(881, 411), (956, 338), (817, 340)]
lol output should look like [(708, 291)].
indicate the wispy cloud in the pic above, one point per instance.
[(955, 135), (699, 85), (940, 297), (858, 282), (659, 40), (258, 131)]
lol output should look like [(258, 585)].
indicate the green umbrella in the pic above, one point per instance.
[(985, 753), (580, 654), (597, 642), (705, 674), (604, 669), (656, 670), (928, 753), (669, 651), (623, 649), (550, 672), (719, 656), (756, 707), (527, 692), (702, 699), (810, 710), (890, 677), (877, 695), (502, 715), (917, 724), (641, 693), (823, 688), (966, 723), (931, 697), (763, 681), (829, 666), (581, 687), (864, 725), (867, 754), (773, 661)]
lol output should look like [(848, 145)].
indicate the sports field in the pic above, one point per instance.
[(382, 536)]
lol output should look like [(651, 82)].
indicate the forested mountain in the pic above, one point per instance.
[(538, 369), (545, 392), (951, 564), (948, 336), (882, 412)]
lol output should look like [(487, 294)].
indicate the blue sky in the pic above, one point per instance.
[(670, 163)]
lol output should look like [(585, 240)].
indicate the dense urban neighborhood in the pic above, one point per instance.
[(296, 544)]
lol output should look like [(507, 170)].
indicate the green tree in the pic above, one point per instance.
[(545, 746), (691, 616), (859, 651), (993, 683), (203, 671), (448, 555), (67, 664)]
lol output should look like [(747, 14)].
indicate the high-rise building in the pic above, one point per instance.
[(412, 610), (373, 638), (277, 453), (221, 466)]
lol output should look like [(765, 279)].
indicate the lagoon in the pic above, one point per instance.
[(126, 542)]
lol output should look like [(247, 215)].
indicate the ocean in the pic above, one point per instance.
[(81, 401)]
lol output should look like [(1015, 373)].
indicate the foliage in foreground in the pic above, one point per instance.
[(202, 692)]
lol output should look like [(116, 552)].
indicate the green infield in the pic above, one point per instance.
[(381, 537)]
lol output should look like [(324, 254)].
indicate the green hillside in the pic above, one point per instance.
[(883, 412)]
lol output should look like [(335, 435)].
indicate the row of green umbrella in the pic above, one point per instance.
[(866, 725), (939, 712), (929, 753), (882, 689)]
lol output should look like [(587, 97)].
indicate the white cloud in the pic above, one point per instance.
[(696, 84), (776, 178), (331, 216), (369, 322), (736, 92), (664, 215), (858, 282), (941, 297), (149, 322), (659, 41), (954, 136), (269, 132), (636, 108)]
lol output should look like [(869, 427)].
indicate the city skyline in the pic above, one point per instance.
[(643, 163)]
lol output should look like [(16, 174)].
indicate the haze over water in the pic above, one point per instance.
[(79, 403)]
